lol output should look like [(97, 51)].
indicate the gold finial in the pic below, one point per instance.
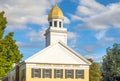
[(55, 12)]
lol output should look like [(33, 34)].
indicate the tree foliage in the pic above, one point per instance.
[(3, 23), (9, 53), (111, 64), (95, 74)]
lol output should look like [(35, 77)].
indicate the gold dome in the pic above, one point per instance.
[(55, 12)]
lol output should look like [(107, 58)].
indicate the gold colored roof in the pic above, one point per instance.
[(55, 12)]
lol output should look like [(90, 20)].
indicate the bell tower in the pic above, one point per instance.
[(56, 32)]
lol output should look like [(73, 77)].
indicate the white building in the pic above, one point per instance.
[(57, 62)]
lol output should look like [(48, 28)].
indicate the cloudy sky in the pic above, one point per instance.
[(93, 25)]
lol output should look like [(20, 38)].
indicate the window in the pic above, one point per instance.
[(55, 23), (23, 75), (58, 73), (36, 73), (47, 73), (50, 23), (80, 74), (60, 24), (69, 73)]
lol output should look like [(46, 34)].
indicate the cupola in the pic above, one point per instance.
[(55, 13), (56, 32), (55, 17)]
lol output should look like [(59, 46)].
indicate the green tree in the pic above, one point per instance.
[(9, 52), (95, 74), (3, 23), (111, 64)]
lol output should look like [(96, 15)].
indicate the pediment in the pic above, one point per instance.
[(58, 54)]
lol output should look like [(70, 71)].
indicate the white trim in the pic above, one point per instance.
[(57, 66)]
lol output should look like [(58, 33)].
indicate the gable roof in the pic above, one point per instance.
[(58, 53)]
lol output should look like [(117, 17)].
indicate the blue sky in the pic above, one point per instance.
[(93, 25)]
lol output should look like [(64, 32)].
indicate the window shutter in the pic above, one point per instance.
[(61, 73), (50, 73), (39, 74), (76, 74), (43, 73), (54, 73), (72, 73), (65, 73), (32, 73)]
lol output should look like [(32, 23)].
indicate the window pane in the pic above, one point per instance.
[(47, 73), (58, 73), (69, 73), (36, 73), (80, 74), (55, 23), (60, 24)]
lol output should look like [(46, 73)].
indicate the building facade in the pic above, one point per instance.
[(57, 62)]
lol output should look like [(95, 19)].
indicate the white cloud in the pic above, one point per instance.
[(72, 35), (26, 45), (102, 36), (89, 49), (66, 20), (75, 17), (37, 36), (88, 7), (97, 16), (21, 12)]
